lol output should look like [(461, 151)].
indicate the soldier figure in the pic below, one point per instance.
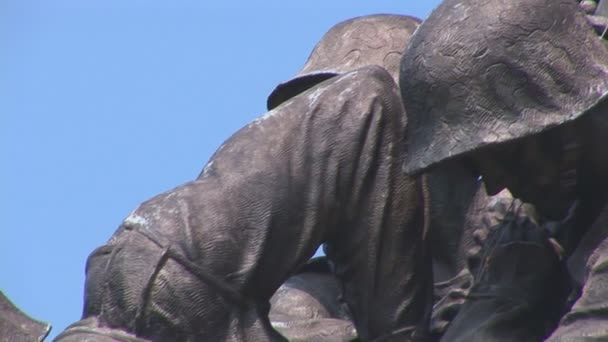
[(518, 90), (325, 165), (308, 307)]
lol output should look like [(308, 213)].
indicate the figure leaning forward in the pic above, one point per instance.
[(518, 90), (325, 165)]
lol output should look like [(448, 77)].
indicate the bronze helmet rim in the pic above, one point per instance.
[(465, 89), (286, 90)]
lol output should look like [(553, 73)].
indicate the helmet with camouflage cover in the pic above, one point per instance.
[(374, 39), (481, 72)]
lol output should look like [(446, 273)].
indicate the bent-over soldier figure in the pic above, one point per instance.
[(518, 90), (325, 165)]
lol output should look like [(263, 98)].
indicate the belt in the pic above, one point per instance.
[(168, 252)]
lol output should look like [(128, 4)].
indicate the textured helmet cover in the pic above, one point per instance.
[(482, 72), (375, 39)]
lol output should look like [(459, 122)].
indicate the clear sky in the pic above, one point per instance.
[(104, 104)]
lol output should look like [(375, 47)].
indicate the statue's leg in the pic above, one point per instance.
[(307, 307), (379, 247)]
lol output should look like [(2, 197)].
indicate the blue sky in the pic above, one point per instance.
[(104, 104)]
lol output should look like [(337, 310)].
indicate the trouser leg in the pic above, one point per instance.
[(384, 265), (379, 247), (332, 159)]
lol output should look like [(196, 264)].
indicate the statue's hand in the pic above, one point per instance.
[(519, 282), (503, 211), (453, 293), (516, 231)]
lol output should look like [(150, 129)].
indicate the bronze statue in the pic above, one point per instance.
[(517, 91), (484, 88), (200, 262), (308, 306)]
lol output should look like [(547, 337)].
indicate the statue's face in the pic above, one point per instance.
[(533, 170)]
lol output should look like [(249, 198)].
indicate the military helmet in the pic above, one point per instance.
[(374, 39), (482, 72)]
